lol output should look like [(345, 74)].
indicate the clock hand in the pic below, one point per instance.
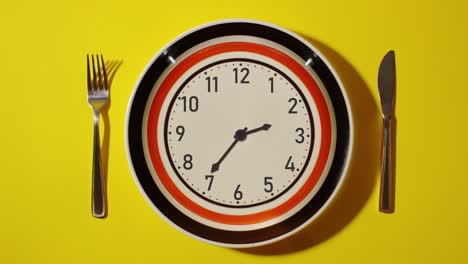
[(215, 166), (240, 135), (265, 127)]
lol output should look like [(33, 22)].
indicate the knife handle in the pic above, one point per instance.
[(386, 183)]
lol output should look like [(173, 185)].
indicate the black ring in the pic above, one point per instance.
[(135, 140)]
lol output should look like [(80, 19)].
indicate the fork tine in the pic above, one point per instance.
[(94, 73), (99, 73), (106, 84), (89, 73)]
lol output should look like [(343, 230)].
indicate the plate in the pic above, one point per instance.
[(239, 133)]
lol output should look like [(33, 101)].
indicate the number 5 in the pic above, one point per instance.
[(268, 184)]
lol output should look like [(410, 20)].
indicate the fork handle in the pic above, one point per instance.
[(386, 184), (98, 207)]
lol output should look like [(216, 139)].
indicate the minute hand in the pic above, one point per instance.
[(215, 166)]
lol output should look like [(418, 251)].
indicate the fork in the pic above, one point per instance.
[(98, 98)]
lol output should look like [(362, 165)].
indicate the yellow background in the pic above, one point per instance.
[(46, 132)]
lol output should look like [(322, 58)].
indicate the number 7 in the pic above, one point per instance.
[(210, 178)]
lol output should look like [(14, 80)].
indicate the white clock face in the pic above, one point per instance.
[(232, 133), (239, 132)]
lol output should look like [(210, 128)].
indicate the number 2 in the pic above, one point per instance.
[(293, 105)]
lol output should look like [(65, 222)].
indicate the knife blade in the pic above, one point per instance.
[(386, 83)]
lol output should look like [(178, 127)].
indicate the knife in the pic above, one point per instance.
[(386, 81)]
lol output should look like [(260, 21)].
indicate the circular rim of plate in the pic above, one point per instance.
[(344, 130)]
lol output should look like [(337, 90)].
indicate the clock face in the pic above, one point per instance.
[(239, 132), (233, 136)]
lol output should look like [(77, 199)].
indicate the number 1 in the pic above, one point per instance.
[(271, 84)]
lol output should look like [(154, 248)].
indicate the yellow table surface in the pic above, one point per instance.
[(46, 151)]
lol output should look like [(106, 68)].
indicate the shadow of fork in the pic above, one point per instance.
[(111, 67)]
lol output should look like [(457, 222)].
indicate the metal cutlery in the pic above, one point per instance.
[(386, 82), (98, 98)]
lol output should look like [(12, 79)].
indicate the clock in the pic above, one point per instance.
[(239, 133)]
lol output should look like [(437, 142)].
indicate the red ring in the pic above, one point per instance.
[(276, 55)]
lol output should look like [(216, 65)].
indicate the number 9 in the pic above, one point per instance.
[(180, 130)]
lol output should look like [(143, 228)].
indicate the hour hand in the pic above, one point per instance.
[(265, 127)]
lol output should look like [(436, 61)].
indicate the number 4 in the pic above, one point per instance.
[(289, 164)]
